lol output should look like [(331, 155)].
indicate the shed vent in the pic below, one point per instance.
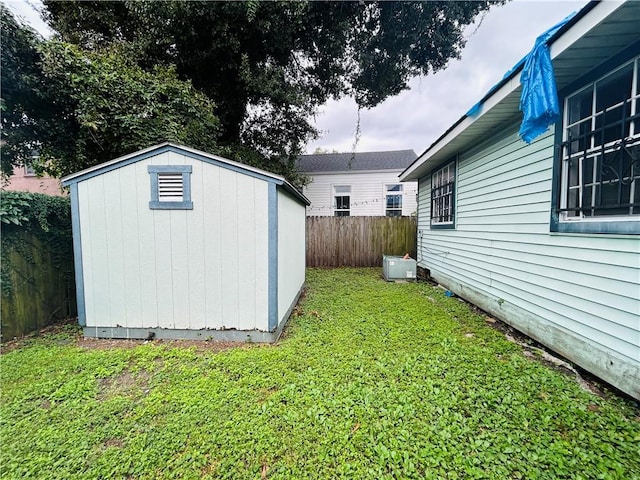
[(170, 187)]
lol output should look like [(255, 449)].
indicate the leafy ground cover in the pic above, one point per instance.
[(372, 380)]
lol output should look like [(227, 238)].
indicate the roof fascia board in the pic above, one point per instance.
[(170, 147), (193, 153), (581, 27), (592, 15)]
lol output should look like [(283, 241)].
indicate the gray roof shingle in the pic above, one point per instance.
[(345, 162)]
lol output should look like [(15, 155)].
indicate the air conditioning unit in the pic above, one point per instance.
[(398, 268)]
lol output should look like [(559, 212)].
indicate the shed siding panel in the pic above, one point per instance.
[(291, 252), (185, 269), (213, 229), (97, 265), (144, 248), (585, 284), (115, 248), (196, 294), (230, 243), (131, 256), (261, 256), (180, 245), (368, 194)]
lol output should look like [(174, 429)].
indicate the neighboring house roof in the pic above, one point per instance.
[(593, 35), (363, 161), (191, 152)]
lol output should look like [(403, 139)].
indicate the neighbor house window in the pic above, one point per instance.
[(170, 187), (342, 200), (443, 196), (29, 169), (394, 200)]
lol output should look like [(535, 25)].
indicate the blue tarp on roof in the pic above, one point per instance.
[(539, 99)]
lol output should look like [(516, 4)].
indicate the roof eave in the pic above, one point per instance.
[(582, 22)]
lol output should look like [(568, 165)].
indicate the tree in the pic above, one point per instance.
[(269, 65), (114, 107), (78, 108), (21, 92)]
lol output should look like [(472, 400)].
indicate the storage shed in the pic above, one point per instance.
[(172, 242)]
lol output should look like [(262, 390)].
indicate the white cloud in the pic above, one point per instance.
[(417, 117)]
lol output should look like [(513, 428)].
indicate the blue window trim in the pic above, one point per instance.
[(625, 227), (444, 226), (155, 203)]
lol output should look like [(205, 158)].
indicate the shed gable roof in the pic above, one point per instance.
[(187, 151), (363, 161)]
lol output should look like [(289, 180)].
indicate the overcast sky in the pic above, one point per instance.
[(417, 117)]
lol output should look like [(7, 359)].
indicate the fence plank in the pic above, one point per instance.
[(38, 290), (358, 241)]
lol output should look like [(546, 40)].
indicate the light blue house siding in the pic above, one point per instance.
[(546, 236), (577, 294)]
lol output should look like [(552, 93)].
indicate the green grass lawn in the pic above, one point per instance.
[(372, 380)]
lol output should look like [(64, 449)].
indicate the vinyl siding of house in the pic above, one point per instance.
[(368, 192), (204, 268), (577, 294)]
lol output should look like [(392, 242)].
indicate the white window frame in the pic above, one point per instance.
[(592, 153), (341, 191), (443, 193), (393, 193)]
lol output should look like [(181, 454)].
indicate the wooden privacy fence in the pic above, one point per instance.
[(37, 285), (358, 241)]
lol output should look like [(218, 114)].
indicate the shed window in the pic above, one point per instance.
[(342, 200), (443, 183), (394, 200), (601, 148), (170, 187)]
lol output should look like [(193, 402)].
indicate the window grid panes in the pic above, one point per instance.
[(601, 148), (342, 200), (442, 192), (393, 200)]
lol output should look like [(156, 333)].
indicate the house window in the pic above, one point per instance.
[(394, 200), (170, 187), (443, 196), (29, 169), (600, 153), (342, 200)]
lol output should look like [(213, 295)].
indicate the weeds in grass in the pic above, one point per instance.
[(373, 380)]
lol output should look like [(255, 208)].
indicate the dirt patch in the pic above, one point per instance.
[(114, 442), (204, 345), (125, 384)]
